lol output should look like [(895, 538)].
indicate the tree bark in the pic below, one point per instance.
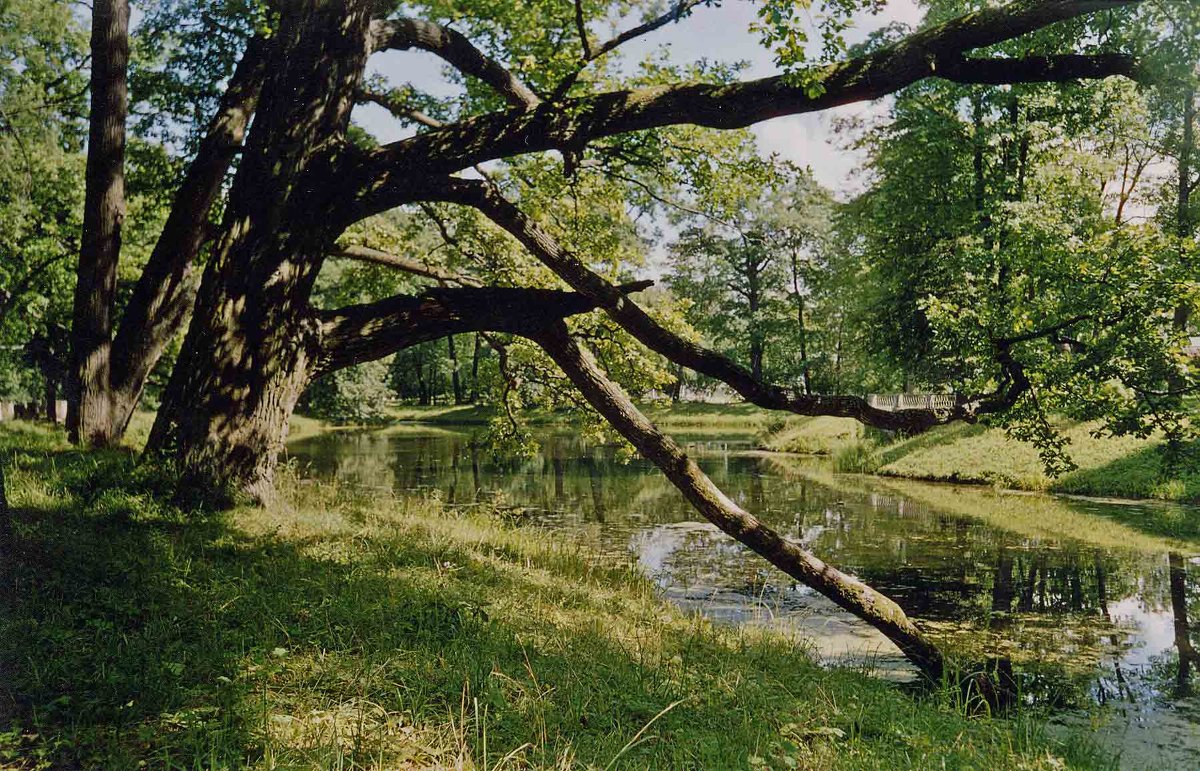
[(1184, 226), (846, 591), (475, 369), (801, 328), (753, 275), (50, 400), (89, 417), (166, 291), (250, 352)]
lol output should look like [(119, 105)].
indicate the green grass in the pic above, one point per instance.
[(1117, 467), (813, 436), (337, 630), (1125, 467)]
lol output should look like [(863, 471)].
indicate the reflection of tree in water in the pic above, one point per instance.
[(1183, 633)]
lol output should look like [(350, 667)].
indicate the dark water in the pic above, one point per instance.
[(1090, 602)]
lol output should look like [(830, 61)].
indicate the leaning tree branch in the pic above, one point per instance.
[(1036, 69), (581, 26), (405, 264), (166, 289), (846, 591), (454, 48), (385, 177), (359, 333), (677, 11), (488, 201)]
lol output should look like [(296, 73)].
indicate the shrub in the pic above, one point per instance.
[(856, 458)]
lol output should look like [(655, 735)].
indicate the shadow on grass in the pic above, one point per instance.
[(139, 633), (1150, 471)]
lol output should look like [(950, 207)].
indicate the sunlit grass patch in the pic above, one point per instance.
[(813, 436), (1127, 467)]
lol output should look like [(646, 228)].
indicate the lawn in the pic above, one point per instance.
[(340, 630)]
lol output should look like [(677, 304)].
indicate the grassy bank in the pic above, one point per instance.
[(1124, 467), (742, 418), (335, 630)]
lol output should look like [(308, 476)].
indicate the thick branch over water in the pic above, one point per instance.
[(366, 332), (658, 338), (846, 591)]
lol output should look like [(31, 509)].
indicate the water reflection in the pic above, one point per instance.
[(1079, 604)]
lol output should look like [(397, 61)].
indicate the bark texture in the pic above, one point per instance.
[(107, 374), (166, 289), (251, 349), (89, 420)]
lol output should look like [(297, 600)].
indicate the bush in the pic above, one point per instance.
[(856, 458), (356, 395)]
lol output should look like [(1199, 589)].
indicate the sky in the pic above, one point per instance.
[(718, 34)]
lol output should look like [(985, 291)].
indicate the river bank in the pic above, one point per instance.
[(1111, 467), (339, 628)]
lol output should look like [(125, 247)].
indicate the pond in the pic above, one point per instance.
[(1088, 601)]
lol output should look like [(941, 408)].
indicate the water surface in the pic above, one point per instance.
[(1090, 603)]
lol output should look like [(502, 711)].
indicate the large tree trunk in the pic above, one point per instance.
[(89, 417), (166, 291), (848, 592), (251, 346)]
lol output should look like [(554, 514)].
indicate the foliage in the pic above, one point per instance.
[(42, 96), (356, 395), (751, 269), (991, 260)]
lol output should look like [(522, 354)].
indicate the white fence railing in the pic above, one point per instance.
[(32, 410), (895, 402)]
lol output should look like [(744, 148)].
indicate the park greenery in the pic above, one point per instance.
[(197, 226)]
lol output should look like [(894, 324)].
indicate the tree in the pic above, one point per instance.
[(303, 178), (750, 270), (41, 105), (103, 214), (1019, 262)]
